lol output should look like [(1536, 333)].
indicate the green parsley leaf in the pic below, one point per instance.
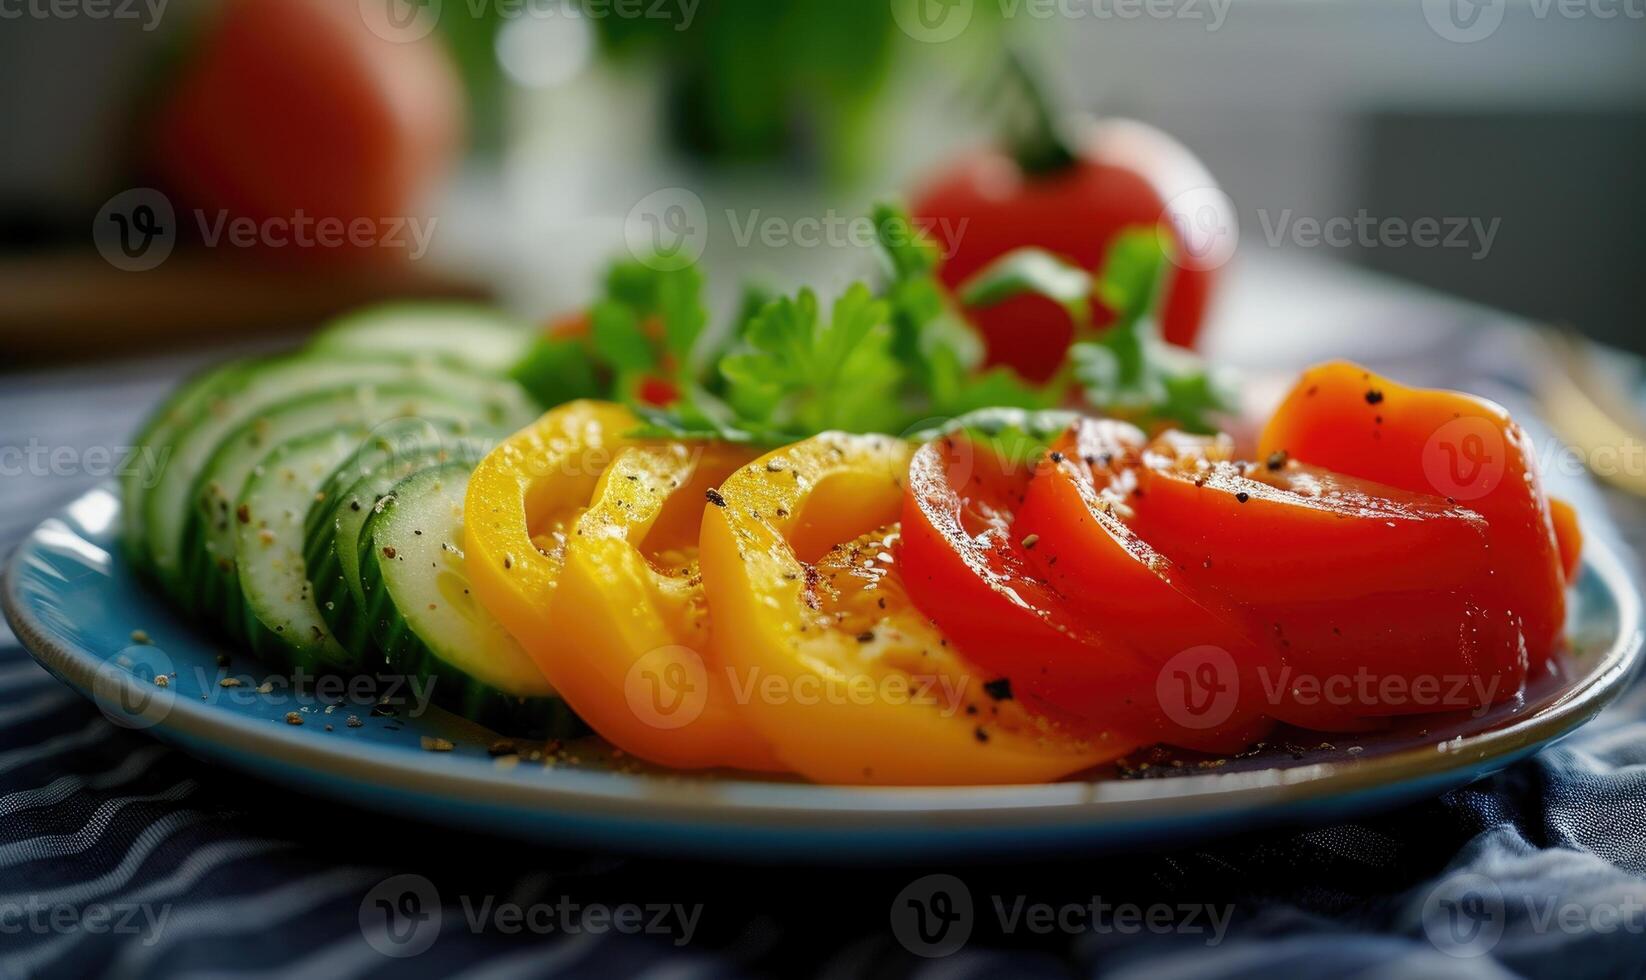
[(647, 322), (1133, 274), (672, 295), (797, 372), (698, 415), (619, 337), (558, 370), (908, 250), (1034, 271), (1129, 370), (1018, 435), (942, 351)]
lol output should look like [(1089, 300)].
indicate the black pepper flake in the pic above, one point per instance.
[(982, 736), (867, 636), (1057, 457), (1000, 690), (388, 551), (715, 498), (1243, 496), (1277, 459), (1374, 396)]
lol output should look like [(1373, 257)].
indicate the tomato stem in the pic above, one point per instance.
[(1034, 136)]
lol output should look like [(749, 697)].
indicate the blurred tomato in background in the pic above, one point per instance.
[(288, 109)]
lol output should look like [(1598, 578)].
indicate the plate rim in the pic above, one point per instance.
[(731, 803)]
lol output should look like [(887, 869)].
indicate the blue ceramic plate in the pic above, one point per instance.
[(74, 603)]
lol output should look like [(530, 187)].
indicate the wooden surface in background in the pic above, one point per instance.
[(73, 305)]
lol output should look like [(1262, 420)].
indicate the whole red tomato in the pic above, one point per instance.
[(296, 115), (1125, 174)]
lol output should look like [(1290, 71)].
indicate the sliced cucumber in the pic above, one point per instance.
[(476, 337), (388, 442), (283, 623), (208, 545), (428, 625), (331, 535), (241, 398), (153, 451)]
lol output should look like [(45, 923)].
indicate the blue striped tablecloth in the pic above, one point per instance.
[(121, 856)]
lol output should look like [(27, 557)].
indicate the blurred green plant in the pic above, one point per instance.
[(757, 81), (795, 82), (471, 36)]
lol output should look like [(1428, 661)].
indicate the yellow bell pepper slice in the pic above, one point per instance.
[(631, 621), (523, 498), (830, 661)]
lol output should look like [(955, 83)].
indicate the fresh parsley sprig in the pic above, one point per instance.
[(799, 369), (1126, 369), (943, 351), (874, 360), (869, 363), (646, 324)]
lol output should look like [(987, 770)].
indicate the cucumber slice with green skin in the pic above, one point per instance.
[(332, 533), (282, 623), (476, 337), (168, 504), (152, 450), (388, 442), (208, 547), (429, 626)]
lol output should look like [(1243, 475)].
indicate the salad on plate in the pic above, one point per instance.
[(842, 541)]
